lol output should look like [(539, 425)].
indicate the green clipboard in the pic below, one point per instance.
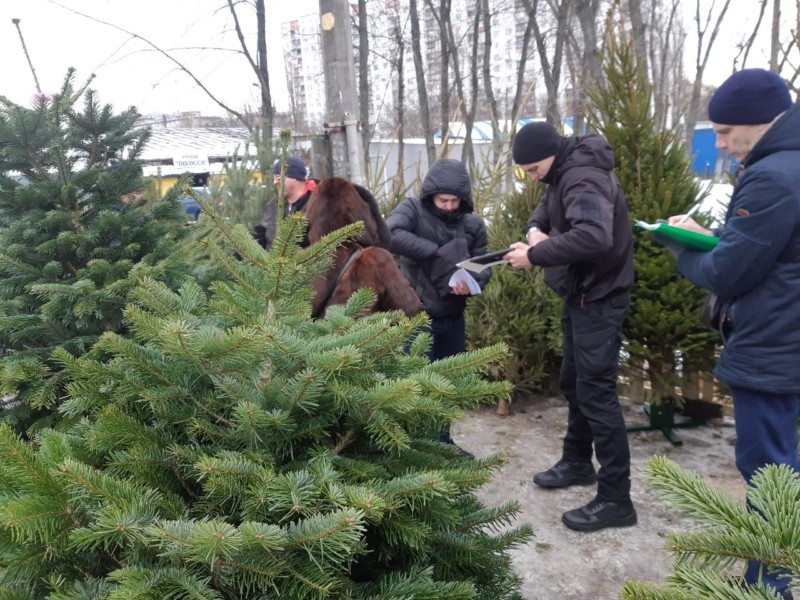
[(685, 237)]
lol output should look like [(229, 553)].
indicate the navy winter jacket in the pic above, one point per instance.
[(755, 268)]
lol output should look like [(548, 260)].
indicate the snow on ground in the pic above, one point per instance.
[(716, 201)]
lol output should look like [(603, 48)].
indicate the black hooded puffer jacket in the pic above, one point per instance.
[(425, 238)]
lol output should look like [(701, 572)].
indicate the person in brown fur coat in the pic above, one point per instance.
[(361, 263)]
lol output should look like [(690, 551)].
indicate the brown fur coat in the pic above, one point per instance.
[(338, 202)]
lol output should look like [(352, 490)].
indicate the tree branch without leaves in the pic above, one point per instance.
[(167, 55)]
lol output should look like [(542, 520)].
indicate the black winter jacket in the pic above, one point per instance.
[(590, 251), (265, 229), (430, 242)]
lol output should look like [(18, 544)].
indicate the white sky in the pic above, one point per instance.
[(129, 72)]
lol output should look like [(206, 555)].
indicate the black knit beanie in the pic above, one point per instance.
[(749, 97), (535, 142)]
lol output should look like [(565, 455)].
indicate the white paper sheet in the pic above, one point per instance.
[(462, 275)]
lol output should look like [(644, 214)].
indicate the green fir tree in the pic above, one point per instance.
[(663, 332), (233, 448), (710, 559), (517, 308), (74, 239)]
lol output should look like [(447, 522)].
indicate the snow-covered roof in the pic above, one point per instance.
[(197, 149), (211, 141)]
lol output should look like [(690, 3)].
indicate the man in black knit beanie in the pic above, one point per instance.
[(580, 233)]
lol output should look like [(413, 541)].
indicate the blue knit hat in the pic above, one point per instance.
[(749, 97), (295, 168)]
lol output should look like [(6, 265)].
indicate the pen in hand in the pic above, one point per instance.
[(690, 212)]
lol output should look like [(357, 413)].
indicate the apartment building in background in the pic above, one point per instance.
[(391, 61)]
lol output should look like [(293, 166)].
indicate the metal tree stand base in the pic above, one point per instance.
[(662, 417)]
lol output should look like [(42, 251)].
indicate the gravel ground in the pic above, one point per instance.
[(564, 564)]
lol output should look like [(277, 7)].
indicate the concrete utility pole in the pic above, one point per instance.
[(340, 90)]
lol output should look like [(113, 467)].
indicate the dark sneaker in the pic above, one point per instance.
[(565, 473), (599, 514), (446, 439)]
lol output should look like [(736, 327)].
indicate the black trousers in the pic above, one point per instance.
[(592, 339)]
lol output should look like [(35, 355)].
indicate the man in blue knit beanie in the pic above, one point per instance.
[(755, 272), (291, 177)]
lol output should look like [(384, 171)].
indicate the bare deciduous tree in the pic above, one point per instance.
[(422, 90), (776, 35), (789, 52), (704, 45), (665, 44), (486, 70), (744, 47), (258, 65), (551, 69), (590, 67), (364, 87), (443, 19)]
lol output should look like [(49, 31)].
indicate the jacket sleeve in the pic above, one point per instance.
[(589, 212), (480, 245), (761, 222), (538, 219), (264, 230), (402, 224)]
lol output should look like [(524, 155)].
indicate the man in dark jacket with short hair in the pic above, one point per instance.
[(297, 188), (431, 235), (755, 272), (581, 234)]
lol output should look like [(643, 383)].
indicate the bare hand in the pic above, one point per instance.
[(460, 289), (534, 237), (690, 224), (518, 257)]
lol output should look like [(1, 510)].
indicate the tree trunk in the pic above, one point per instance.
[(551, 71), (666, 63), (638, 28), (775, 38), (467, 107), (422, 90), (364, 83), (592, 68), (444, 81), (486, 71), (401, 102), (469, 115), (265, 151)]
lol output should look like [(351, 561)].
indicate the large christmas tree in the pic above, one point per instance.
[(232, 447), (75, 237), (663, 333)]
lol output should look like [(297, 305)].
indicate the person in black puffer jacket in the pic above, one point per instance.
[(431, 234), (581, 234)]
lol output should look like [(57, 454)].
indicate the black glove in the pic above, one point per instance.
[(440, 267)]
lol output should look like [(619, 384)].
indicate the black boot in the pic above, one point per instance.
[(599, 514), (565, 473), (445, 438)]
